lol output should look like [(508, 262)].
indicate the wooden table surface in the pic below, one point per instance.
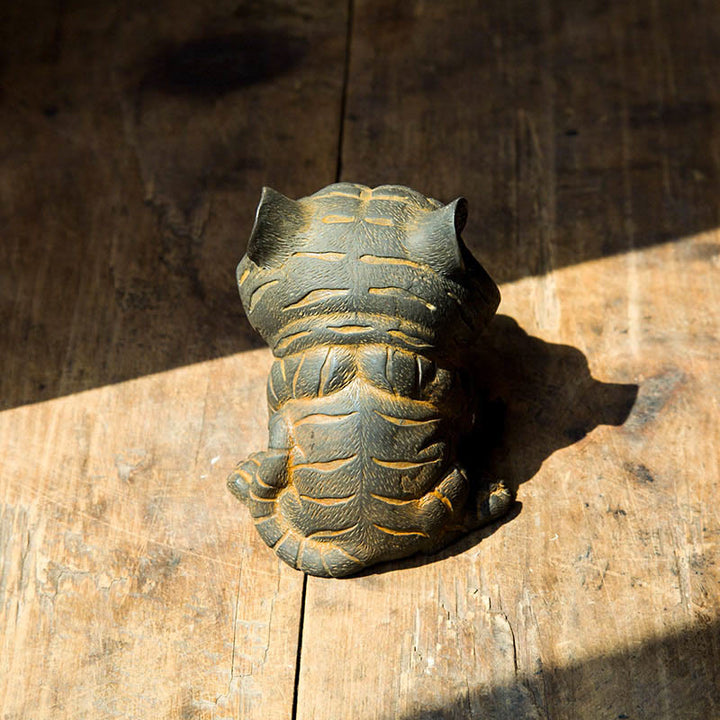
[(134, 140)]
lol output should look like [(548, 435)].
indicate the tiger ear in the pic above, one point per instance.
[(436, 240), (278, 219)]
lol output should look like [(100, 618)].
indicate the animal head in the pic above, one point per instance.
[(387, 261)]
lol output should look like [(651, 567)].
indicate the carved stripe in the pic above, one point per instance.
[(403, 464), (406, 421), (331, 533), (391, 500), (244, 474), (348, 555), (271, 388), (321, 255), (396, 198), (298, 369), (326, 465), (445, 501), (301, 550), (244, 276), (338, 219), (281, 539), (349, 329), (262, 483), (285, 341), (390, 531), (258, 292), (388, 260), (323, 418), (335, 193), (316, 296), (323, 374), (440, 445), (409, 339), (386, 222), (329, 501), (401, 292)]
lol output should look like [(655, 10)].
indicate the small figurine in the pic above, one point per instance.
[(369, 300)]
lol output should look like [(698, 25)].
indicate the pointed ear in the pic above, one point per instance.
[(436, 240), (278, 220)]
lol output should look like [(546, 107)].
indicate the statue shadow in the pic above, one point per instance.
[(535, 398)]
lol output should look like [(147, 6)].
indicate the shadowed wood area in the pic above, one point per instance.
[(135, 139)]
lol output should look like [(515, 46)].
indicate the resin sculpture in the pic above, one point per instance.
[(370, 302)]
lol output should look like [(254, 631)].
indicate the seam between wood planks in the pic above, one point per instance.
[(338, 175)]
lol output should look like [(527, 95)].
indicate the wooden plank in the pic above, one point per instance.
[(135, 140), (134, 147), (586, 139)]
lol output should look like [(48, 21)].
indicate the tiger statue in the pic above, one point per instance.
[(371, 303)]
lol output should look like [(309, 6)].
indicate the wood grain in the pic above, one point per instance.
[(577, 131), (134, 141)]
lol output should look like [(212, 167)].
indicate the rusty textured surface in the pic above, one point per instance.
[(372, 305)]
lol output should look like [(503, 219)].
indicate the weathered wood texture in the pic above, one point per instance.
[(134, 140), (578, 131)]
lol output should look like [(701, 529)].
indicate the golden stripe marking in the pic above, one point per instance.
[(443, 500), (245, 475), (409, 339), (389, 260), (316, 296), (257, 498), (281, 539), (328, 502), (255, 461), (348, 555), (389, 531), (322, 377), (283, 370), (326, 465), (321, 255), (258, 292), (396, 198), (301, 550), (348, 329), (390, 500), (338, 219), (271, 388), (335, 193), (401, 292), (297, 375), (284, 342), (244, 276), (331, 533), (385, 222), (265, 519), (406, 421), (262, 483), (403, 464), (323, 418), (440, 445)]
